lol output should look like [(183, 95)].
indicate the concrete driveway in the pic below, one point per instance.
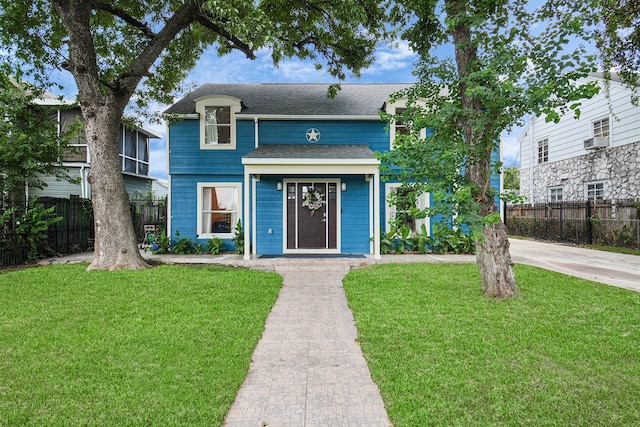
[(606, 267)]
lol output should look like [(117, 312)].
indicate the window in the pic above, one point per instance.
[(402, 212), (134, 151), (543, 150), (219, 209), (217, 122), (555, 194), (601, 128), (401, 127), (217, 125), (69, 120), (594, 190)]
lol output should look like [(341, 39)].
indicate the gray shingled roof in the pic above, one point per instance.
[(296, 98), (310, 151)]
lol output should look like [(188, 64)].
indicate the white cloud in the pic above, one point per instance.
[(398, 57)]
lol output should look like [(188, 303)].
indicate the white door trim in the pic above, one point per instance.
[(295, 181)]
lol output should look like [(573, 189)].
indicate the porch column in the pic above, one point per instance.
[(376, 214), (254, 204), (246, 219)]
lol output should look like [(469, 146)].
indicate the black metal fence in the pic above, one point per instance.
[(75, 232), (606, 223)]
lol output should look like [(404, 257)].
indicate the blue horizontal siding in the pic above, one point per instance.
[(356, 230), (186, 157), (184, 204), (190, 165), (269, 216), (371, 132)]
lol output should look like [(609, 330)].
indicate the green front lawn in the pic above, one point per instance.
[(566, 352), (166, 346)]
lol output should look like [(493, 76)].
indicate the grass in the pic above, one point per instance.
[(166, 346), (565, 352)]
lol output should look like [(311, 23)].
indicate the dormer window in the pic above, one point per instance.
[(217, 122), (217, 125)]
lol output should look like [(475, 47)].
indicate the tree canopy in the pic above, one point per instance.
[(159, 42), (618, 38), (142, 49)]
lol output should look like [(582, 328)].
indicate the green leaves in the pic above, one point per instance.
[(30, 145), (510, 62)]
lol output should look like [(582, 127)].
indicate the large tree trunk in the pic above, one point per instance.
[(494, 259), (115, 245)]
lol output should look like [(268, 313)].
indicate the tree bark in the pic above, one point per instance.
[(492, 250), (493, 257), (102, 105), (115, 247)]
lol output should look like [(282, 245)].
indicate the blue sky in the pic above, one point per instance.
[(393, 64)]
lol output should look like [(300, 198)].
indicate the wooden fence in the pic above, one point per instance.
[(75, 232), (605, 223)]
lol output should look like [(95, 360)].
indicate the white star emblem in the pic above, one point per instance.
[(313, 135)]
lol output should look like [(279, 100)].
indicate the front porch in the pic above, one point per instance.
[(279, 178)]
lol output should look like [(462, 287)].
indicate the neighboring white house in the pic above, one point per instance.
[(595, 157), (133, 149)]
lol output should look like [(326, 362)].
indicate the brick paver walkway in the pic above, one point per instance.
[(308, 369)]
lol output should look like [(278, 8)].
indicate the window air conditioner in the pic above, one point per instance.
[(597, 142)]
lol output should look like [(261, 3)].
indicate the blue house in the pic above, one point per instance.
[(295, 167)]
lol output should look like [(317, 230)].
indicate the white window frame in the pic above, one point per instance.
[(543, 145), (391, 109), (553, 194), (136, 157), (218, 101), (594, 183), (390, 211), (78, 146), (597, 124), (237, 187)]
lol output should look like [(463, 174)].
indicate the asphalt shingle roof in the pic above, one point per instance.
[(311, 151), (296, 98)]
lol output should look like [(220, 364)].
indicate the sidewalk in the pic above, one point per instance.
[(308, 369)]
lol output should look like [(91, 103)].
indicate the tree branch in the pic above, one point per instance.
[(205, 19), (107, 7)]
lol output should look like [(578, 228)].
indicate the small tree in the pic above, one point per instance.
[(511, 178), (498, 72), (31, 147)]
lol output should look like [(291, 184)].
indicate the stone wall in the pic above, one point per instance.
[(618, 167)]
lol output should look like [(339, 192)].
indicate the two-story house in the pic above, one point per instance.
[(296, 168), (133, 147), (594, 157)]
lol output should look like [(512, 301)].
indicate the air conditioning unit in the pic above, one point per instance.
[(597, 142)]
